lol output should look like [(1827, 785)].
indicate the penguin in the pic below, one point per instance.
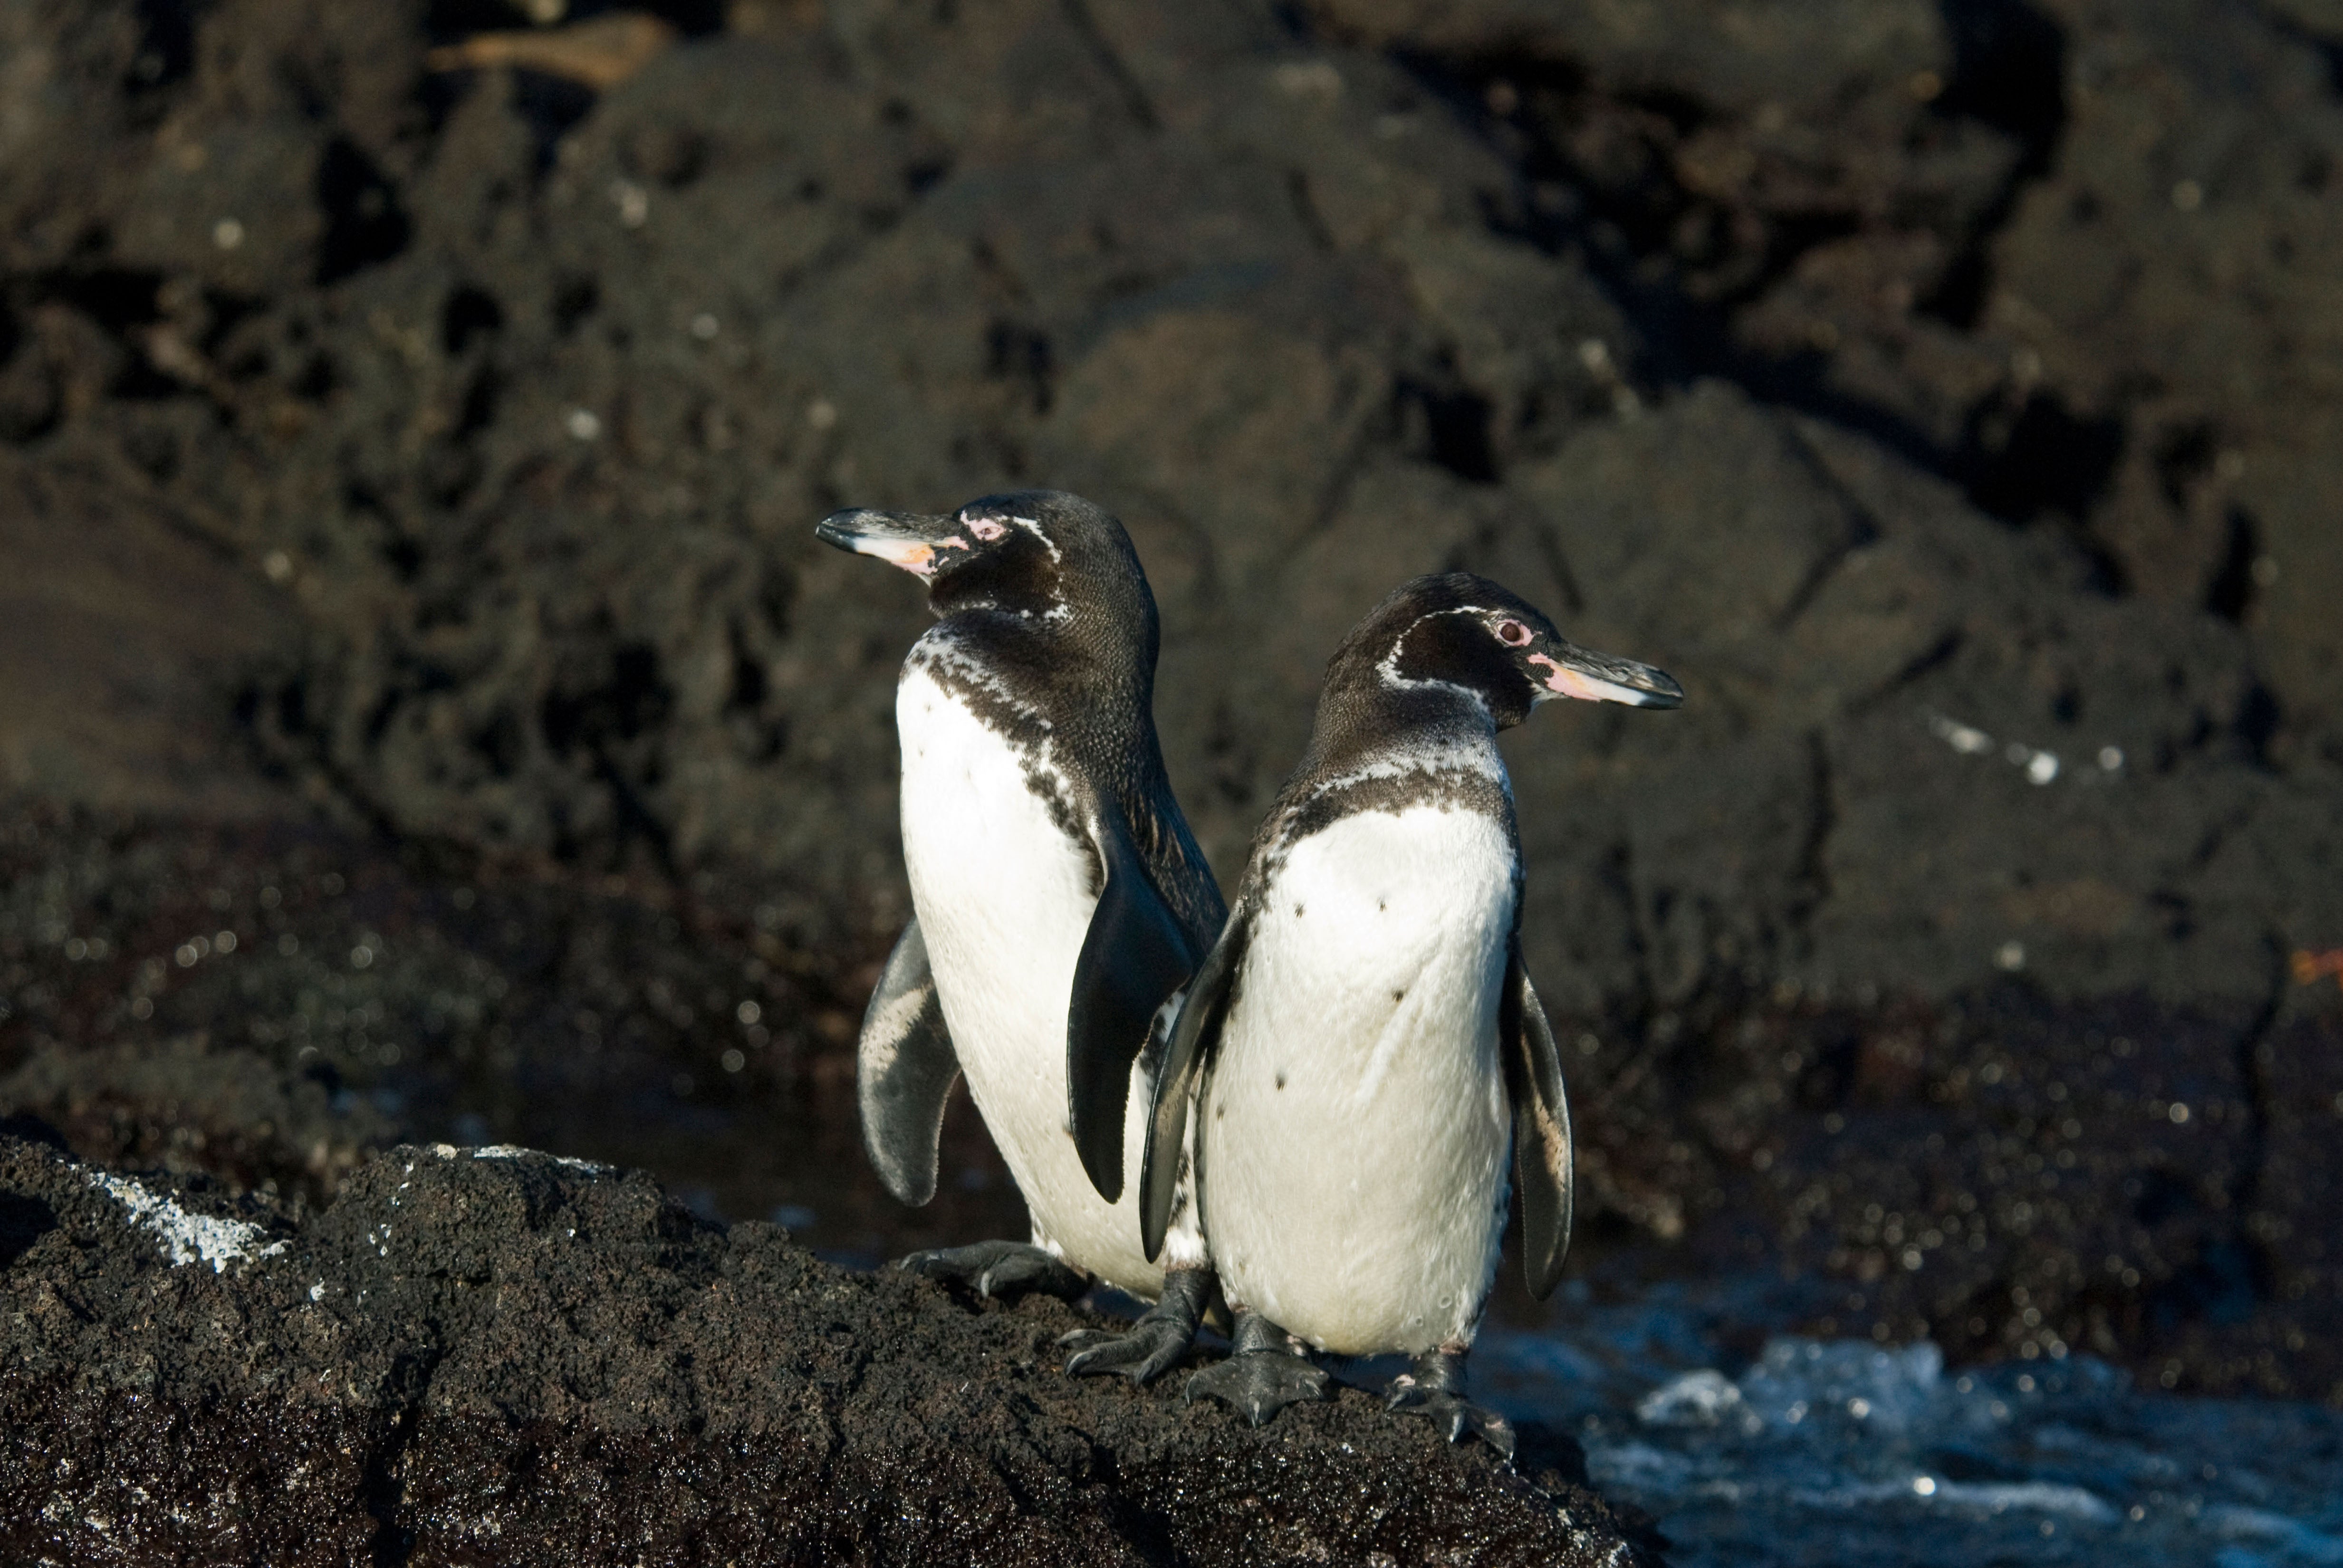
[(1362, 1047), (1059, 903)]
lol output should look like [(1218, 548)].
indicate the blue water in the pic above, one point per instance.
[(1843, 1453)]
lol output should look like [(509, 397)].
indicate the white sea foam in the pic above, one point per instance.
[(1848, 1450)]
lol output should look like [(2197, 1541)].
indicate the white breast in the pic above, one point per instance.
[(1004, 897), (1355, 1127)]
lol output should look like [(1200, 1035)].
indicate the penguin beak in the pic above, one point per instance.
[(1569, 670), (906, 540)]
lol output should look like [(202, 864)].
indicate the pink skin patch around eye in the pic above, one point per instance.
[(985, 529)]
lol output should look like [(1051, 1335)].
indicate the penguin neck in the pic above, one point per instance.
[(1083, 602), (1361, 721), (1063, 686)]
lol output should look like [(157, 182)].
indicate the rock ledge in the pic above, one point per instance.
[(498, 1356)]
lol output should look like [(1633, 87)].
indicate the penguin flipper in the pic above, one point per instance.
[(1195, 1039), (1542, 1162), (1135, 957), (903, 1071)]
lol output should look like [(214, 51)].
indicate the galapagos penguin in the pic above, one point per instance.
[(1059, 903), (1367, 1043)]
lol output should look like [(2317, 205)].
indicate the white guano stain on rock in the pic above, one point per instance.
[(185, 1237), (515, 1152)]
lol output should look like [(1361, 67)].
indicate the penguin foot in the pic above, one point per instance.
[(1003, 1269), (1146, 1353), (1263, 1373), (1435, 1391), (1155, 1344), (1259, 1384)]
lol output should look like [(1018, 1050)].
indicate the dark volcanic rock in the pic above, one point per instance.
[(234, 1115), (2006, 1175), (265, 1003), (1942, 392), (514, 421), (492, 1356), (2010, 1142), (127, 635)]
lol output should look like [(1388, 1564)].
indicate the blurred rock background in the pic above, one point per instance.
[(428, 713)]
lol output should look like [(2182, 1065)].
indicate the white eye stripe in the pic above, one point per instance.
[(1387, 668), (1033, 526), (989, 529)]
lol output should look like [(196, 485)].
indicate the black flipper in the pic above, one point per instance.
[(1135, 956), (1542, 1165), (903, 1070), (1195, 1038)]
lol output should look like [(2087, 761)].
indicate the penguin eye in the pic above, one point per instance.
[(1512, 633), (986, 528)]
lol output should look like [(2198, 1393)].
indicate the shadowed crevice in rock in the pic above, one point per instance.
[(1624, 166), (494, 1354)]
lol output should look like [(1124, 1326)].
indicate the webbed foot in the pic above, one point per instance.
[(1434, 1390), (1155, 1344), (1003, 1269), (1263, 1373)]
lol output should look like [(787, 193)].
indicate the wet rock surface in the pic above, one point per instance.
[(429, 717), (496, 1355), (2016, 1179), (2005, 1173)]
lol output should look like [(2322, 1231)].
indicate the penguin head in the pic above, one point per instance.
[(1465, 632), (1034, 553)]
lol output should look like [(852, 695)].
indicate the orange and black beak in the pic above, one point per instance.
[(919, 545), (1561, 669)]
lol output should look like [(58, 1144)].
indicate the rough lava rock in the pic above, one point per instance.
[(419, 459), (482, 1356), (1768, 364)]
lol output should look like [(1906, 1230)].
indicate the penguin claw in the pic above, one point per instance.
[(1257, 1384), (1146, 1353), (1155, 1343), (1458, 1414), (1001, 1269)]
